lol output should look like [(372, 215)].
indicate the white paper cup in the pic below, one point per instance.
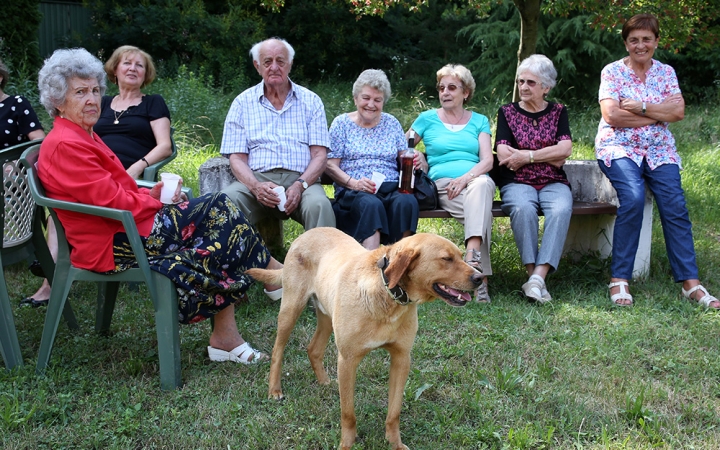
[(378, 179), (170, 183), (280, 191)]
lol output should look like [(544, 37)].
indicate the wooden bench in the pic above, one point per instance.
[(580, 208), (591, 226)]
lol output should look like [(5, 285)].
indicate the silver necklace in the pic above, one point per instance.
[(459, 120), (118, 116)]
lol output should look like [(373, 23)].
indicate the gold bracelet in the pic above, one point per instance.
[(532, 157)]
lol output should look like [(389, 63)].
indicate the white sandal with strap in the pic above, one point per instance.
[(705, 300), (624, 294), (243, 354)]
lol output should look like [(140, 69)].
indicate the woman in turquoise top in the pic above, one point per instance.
[(459, 157)]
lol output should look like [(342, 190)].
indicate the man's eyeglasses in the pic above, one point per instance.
[(530, 83)]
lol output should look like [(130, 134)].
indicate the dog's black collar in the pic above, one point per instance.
[(397, 293)]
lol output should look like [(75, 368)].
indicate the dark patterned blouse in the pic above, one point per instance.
[(525, 130)]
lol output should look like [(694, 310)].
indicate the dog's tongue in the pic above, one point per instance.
[(454, 292)]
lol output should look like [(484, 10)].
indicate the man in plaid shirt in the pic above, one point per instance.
[(276, 135)]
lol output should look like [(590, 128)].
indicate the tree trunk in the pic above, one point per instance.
[(529, 19)]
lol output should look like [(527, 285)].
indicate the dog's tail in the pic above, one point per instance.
[(267, 276)]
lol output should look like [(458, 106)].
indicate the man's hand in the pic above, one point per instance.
[(265, 195), (294, 195)]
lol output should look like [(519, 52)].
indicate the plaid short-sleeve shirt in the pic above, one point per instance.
[(275, 139)]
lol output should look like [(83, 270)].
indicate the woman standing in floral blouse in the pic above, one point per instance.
[(639, 96)]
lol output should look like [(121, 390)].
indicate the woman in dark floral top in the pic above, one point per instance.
[(532, 142)]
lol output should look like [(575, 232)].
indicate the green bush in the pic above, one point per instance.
[(179, 33), (19, 25)]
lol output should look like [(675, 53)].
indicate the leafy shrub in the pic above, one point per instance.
[(193, 100), (180, 33), (19, 24)]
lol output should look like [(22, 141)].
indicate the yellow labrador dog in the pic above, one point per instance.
[(369, 299)]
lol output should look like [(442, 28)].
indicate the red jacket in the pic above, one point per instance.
[(77, 167)]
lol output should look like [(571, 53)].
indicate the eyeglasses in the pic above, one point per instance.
[(449, 87), (530, 83)]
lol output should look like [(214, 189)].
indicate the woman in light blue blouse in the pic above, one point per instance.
[(459, 155), (362, 142)]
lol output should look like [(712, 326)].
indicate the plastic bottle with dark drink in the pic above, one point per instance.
[(407, 172)]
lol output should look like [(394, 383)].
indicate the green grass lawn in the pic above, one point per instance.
[(577, 373)]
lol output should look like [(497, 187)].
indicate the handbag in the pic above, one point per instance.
[(425, 191)]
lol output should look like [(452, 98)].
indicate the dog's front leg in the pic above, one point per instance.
[(399, 370), (347, 370)]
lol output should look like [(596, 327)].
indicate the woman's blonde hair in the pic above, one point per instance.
[(112, 63), (461, 73)]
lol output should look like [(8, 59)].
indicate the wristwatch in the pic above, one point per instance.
[(303, 183)]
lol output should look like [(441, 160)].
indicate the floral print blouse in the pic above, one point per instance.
[(363, 151), (654, 143)]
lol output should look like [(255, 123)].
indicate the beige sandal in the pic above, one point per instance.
[(624, 294), (705, 300), (481, 293), (472, 257)]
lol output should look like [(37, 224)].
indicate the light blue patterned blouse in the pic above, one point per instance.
[(363, 151)]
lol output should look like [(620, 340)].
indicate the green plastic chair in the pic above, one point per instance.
[(21, 219), (152, 171), (162, 289)]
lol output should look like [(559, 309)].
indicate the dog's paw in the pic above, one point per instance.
[(276, 395)]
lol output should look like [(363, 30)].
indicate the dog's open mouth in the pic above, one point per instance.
[(451, 296)]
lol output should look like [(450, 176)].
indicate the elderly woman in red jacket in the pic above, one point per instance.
[(204, 245)]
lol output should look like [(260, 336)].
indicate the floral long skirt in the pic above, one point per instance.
[(204, 245)]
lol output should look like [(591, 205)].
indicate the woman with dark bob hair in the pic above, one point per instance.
[(639, 97), (204, 245)]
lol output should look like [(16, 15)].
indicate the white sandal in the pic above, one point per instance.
[(240, 354), (705, 300), (624, 294), (274, 295), (535, 290)]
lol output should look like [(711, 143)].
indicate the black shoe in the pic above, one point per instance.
[(29, 301), (36, 269)]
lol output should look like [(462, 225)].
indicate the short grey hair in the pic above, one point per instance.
[(376, 79), (255, 50), (59, 68), (541, 67)]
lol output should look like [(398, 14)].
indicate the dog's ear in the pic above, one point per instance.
[(400, 260)]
